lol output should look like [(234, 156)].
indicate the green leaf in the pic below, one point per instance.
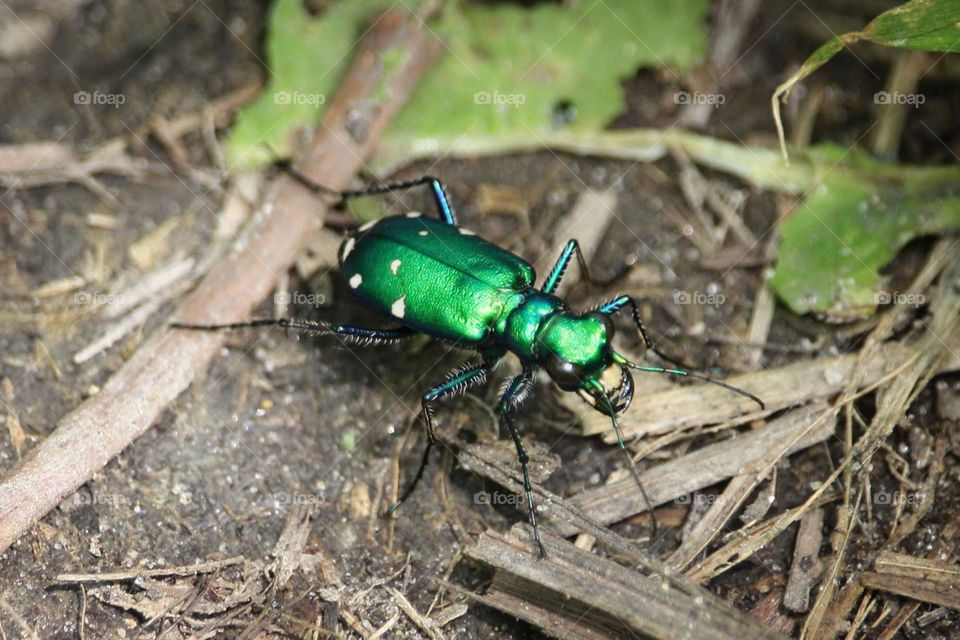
[(851, 225), (506, 70), (922, 25), (307, 58)]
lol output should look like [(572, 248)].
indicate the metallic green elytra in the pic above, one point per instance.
[(446, 281), (433, 277), (436, 278), (443, 280)]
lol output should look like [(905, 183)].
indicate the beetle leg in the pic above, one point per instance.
[(611, 307), (458, 381), (602, 397), (515, 391), (444, 208), (618, 303), (556, 274), (360, 335)]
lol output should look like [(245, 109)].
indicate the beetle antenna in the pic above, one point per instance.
[(695, 376), (601, 395)]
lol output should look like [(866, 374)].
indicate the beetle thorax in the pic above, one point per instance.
[(540, 328), (525, 319)]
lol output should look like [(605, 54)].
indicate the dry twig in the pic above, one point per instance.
[(753, 452), (573, 593), (806, 562), (166, 363)]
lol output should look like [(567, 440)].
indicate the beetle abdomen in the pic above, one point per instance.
[(431, 276)]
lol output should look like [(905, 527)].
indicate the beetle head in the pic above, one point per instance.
[(578, 355)]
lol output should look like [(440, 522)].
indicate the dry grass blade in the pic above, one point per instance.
[(750, 540), (121, 576), (711, 525), (930, 350), (129, 323), (426, 625)]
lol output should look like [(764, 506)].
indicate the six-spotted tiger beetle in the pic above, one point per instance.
[(434, 277)]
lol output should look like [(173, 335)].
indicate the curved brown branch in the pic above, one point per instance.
[(103, 426)]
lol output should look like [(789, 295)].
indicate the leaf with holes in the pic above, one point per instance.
[(508, 70)]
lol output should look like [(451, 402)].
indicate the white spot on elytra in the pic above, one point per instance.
[(414, 214), (467, 232), (394, 266), (356, 280), (347, 247), (424, 233), (368, 225), (399, 307)]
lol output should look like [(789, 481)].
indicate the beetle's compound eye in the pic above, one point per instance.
[(567, 375)]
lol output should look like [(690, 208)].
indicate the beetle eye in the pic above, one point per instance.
[(566, 374)]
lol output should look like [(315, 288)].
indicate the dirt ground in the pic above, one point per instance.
[(279, 422)]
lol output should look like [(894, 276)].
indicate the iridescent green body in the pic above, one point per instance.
[(445, 281), (434, 277)]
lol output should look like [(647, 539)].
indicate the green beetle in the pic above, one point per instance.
[(434, 277)]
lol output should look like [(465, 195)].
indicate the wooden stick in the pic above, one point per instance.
[(103, 426), (573, 593), (694, 405), (806, 562), (917, 578), (752, 452)]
